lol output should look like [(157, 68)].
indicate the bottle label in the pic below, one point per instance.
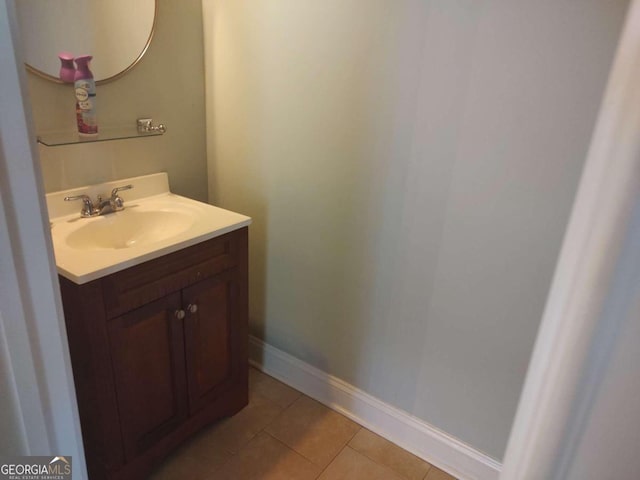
[(85, 91), (82, 94), (85, 105)]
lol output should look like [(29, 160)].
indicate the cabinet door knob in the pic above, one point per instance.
[(179, 314), (193, 308)]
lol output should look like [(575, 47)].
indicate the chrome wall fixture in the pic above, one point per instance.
[(145, 125)]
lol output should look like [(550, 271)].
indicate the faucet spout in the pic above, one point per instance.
[(88, 209), (115, 203)]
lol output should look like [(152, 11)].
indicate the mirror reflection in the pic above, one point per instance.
[(115, 32)]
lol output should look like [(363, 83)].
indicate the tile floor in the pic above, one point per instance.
[(285, 435)]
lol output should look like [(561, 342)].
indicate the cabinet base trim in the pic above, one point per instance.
[(412, 434)]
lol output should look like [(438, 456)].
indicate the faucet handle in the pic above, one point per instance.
[(117, 203), (87, 205), (115, 191)]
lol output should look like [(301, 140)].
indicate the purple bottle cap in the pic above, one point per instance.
[(82, 67), (67, 70), (83, 60)]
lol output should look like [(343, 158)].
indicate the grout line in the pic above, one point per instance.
[(386, 466), (342, 449), (302, 395), (347, 444), (332, 460), (264, 429), (294, 372), (398, 474), (293, 449)]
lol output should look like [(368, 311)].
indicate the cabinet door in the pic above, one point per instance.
[(213, 338), (147, 347)]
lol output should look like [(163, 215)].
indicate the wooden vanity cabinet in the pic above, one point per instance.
[(158, 351)]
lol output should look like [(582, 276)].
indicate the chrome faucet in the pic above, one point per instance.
[(115, 203)]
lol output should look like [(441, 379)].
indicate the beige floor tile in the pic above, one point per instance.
[(390, 455), (313, 430), (437, 474), (265, 458), (270, 388), (181, 465), (232, 434), (304, 437), (206, 447), (351, 465)]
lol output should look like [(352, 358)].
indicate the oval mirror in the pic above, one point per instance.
[(116, 33)]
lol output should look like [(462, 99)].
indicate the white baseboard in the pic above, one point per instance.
[(412, 434)]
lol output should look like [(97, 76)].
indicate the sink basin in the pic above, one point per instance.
[(154, 222), (129, 228)]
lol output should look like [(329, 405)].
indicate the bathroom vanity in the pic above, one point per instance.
[(157, 324)]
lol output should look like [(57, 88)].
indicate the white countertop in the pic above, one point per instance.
[(150, 197)]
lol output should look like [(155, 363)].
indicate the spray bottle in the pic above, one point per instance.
[(85, 87)]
